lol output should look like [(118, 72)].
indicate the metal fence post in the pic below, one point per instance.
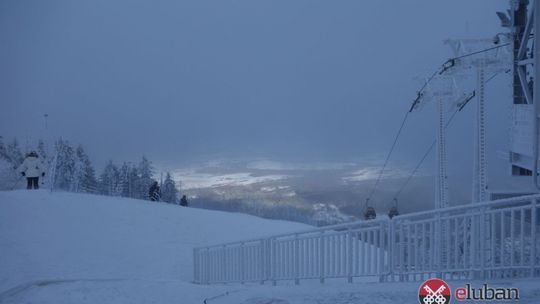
[(296, 260), (534, 223), (242, 268), (262, 260), (472, 247), (439, 247), (273, 261), (321, 255), (482, 244), (196, 278), (391, 248), (207, 265), (224, 262), (381, 253), (350, 256)]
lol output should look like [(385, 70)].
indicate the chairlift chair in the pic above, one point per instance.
[(393, 210), (369, 212)]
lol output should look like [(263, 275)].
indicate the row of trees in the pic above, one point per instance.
[(70, 169)]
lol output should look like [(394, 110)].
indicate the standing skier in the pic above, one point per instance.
[(32, 168), (154, 193)]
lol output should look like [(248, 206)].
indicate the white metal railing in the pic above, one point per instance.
[(483, 240)]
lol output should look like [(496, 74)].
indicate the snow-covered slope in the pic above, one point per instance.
[(54, 238), (70, 248)]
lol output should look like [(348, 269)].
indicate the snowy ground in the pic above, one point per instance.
[(69, 248)]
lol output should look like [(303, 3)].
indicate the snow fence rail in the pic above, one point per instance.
[(494, 239)]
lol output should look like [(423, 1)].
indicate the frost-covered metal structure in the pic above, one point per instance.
[(491, 61), (525, 108), (408, 247), (450, 88)]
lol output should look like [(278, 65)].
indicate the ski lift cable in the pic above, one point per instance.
[(481, 51), (388, 157), (430, 148), (423, 158), (438, 71), (420, 92)]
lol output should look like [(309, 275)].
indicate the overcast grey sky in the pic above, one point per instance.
[(183, 80)]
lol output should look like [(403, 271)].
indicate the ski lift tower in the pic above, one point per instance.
[(442, 90), (492, 60)]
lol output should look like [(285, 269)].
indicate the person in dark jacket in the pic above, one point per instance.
[(183, 201), (154, 193), (32, 168)]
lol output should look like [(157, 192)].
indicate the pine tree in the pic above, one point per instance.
[(145, 168), (12, 153), (145, 179), (8, 174), (125, 183), (65, 172), (134, 180), (169, 193), (109, 181), (86, 175)]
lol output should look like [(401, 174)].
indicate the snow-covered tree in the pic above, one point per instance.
[(65, 166), (8, 176), (125, 182), (169, 193), (145, 180), (109, 180), (133, 182), (145, 168), (2, 148), (12, 153), (86, 175)]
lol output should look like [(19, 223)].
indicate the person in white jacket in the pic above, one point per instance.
[(32, 168)]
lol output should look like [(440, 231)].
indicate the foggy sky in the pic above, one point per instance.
[(184, 80)]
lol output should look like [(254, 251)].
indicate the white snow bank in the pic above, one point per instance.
[(85, 244)]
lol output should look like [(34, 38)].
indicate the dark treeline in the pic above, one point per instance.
[(70, 169)]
